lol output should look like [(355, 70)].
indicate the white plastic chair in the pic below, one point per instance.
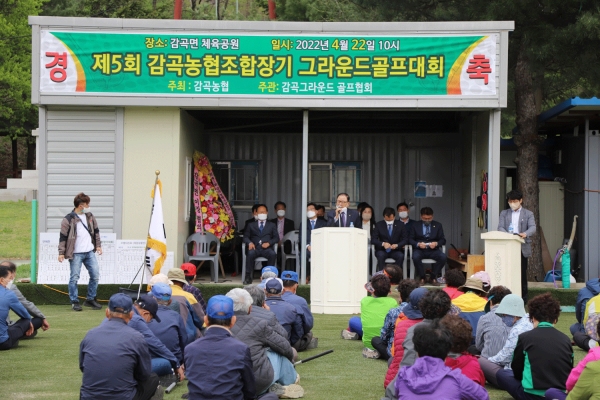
[(203, 243), (293, 238), (424, 261), (257, 261)]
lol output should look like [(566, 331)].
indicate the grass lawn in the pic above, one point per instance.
[(15, 230), (47, 366)]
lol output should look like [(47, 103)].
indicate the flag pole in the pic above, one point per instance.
[(157, 172)]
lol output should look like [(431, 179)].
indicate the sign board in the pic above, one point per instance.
[(267, 65)]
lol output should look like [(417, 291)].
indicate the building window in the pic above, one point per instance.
[(326, 180), (238, 181)]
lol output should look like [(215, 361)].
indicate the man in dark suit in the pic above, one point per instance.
[(389, 237), (342, 216), (402, 209), (284, 225), (313, 222), (250, 220), (519, 221), (321, 214), (260, 237), (427, 239)]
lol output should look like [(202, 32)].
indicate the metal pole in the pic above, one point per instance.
[(34, 229), (217, 9), (304, 196)]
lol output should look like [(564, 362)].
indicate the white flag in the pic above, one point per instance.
[(156, 245)]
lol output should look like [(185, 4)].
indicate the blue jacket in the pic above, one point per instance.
[(170, 330), (288, 317), (301, 308), (9, 301), (219, 367)]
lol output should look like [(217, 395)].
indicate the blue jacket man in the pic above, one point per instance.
[(286, 313), (260, 237), (290, 285), (171, 329), (389, 238)]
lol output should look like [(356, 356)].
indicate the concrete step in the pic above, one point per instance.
[(29, 173), (27, 183), (16, 194)]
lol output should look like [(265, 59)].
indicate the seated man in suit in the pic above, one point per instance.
[(251, 220), (260, 237), (427, 239), (321, 214), (402, 209), (284, 226), (342, 216), (389, 238)]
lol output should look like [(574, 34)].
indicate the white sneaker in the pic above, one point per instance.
[(292, 391), (368, 353), (593, 343), (346, 334)]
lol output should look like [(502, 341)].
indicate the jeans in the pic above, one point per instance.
[(91, 264), (161, 366), (355, 325), (284, 372)]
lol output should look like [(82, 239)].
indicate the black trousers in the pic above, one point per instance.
[(434, 254), (17, 331), (381, 347), (397, 255), (252, 255), (146, 389), (524, 278)]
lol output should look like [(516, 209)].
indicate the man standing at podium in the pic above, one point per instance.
[(519, 221), (260, 237), (342, 216)]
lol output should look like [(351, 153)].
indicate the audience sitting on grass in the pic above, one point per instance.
[(285, 312), (394, 272), (189, 270), (219, 366), (25, 326), (492, 333), (484, 277), (512, 312), (114, 358), (588, 315), (384, 342), (454, 278), (29, 306), (461, 333), (177, 277), (428, 377), (411, 315), (261, 310), (543, 357), (473, 298), (373, 310), (271, 353), (267, 272), (290, 285)]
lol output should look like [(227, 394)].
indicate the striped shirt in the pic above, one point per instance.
[(492, 333), (505, 356), (193, 290)]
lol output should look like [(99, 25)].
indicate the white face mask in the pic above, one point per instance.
[(311, 214), (367, 217), (403, 214), (514, 206), (281, 213), (262, 217), (389, 222), (86, 210)]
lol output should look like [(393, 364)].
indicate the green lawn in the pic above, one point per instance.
[(15, 230), (47, 367)]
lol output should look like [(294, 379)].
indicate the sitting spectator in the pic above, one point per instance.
[(177, 278), (581, 336), (261, 310), (285, 312), (458, 356), (543, 357), (454, 278), (219, 351), (271, 353), (366, 220), (394, 272), (114, 358), (411, 315), (402, 209), (267, 272), (473, 298), (260, 237), (588, 338), (484, 277), (373, 310), (429, 378), (427, 238), (171, 329), (290, 285), (189, 271), (512, 313), (386, 338), (492, 333), (29, 306), (24, 327), (389, 238), (321, 214)]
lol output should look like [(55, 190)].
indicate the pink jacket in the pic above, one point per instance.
[(592, 355)]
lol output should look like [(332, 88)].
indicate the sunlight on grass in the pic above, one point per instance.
[(15, 230)]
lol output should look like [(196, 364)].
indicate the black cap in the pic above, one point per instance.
[(149, 304)]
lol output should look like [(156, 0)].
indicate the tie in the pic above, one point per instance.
[(428, 231), (312, 225), (261, 227), (343, 219), (390, 227)]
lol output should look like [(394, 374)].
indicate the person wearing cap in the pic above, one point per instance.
[(114, 358), (543, 356), (220, 356), (473, 298), (512, 312), (189, 270), (267, 272), (491, 333), (171, 329), (290, 285), (177, 276), (272, 355), (144, 310), (286, 313), (260, 237), (261, 310)]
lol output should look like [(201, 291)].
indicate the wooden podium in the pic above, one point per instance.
[(503, 259), (339, 270)]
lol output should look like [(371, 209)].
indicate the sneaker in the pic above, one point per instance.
[(593, 343), (346, 334), (93, 304), (76, 307), (186, 395), (292, 391), (314, 343), (368, 353), (297, 381)]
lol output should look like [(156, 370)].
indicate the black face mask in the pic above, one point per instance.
[(426, 223)]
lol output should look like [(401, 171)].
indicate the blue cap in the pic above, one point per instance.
[(161, 291), (220, 307), (274, 286), (121, 303), (270, 268), (289, 276), (411, 310)]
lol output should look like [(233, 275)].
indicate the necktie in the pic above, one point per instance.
[(343, 219), (312, 225), (390, 227), (428, 231), (261, 227)]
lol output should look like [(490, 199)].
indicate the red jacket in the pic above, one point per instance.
[(399, 335), (469, 366), (452, 292)]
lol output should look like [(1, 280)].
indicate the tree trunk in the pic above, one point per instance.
[(31, 153), (15, 158), (528, 142)]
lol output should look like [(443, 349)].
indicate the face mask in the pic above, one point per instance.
[(389, 222), (367, 217), (262, 217), (86, 210), (514, 206), (281, 213), (508, 320), (311, 214), (343, 209), (403, 214), (426, 223)]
